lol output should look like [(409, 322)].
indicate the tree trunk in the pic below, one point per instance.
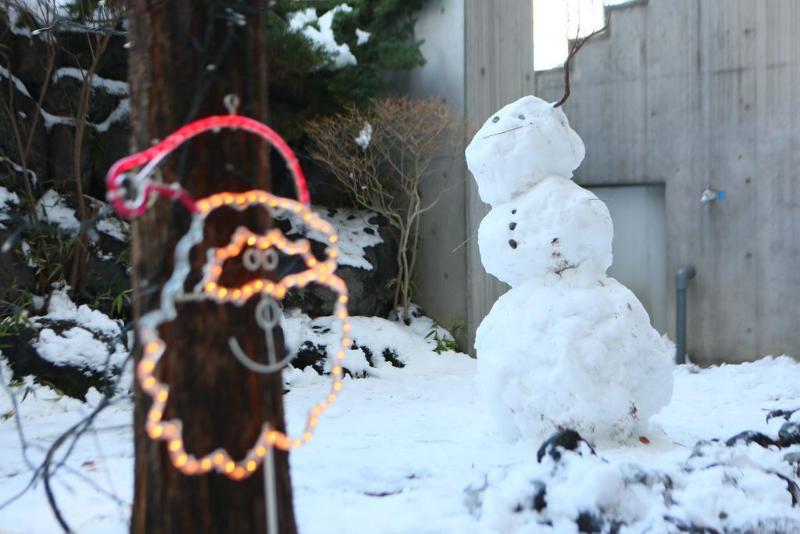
[(184, 58)]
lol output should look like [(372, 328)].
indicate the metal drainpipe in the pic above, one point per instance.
[(682, 278)]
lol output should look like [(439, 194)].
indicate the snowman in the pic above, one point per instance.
[(567, 346)]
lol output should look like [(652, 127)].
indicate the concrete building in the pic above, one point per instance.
[(676, 97)]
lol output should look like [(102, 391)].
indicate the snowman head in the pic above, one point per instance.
[(555, 226), (520, 145)]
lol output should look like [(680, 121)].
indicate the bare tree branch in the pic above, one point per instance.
[(575, 46), (383, 171)]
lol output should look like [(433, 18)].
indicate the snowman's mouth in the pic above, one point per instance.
[(504, 132)]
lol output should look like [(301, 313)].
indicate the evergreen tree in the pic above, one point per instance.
[(307, 84)]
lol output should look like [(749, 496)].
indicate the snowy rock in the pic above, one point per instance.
[(566, 440), (715, 491), (789, 434), (520, 145), (557, 225), (377, 343), (73, 348), (575, 352), (8, 201), (749, 436), (367, 263)]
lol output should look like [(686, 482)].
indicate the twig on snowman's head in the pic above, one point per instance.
[(575, 46)]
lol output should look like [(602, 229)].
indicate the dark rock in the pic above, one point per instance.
[(15, 274), (589, 522), (64, 96), (61, 159), (538, 500), (566, 440), (371, 292), (789, 434), (786, 414), (75, 50), (310, 355), (73, 381), (24, 113), (751, 436), (315, 355)]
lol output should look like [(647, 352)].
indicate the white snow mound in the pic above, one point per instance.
[(577, 352), (520, 145), (556, 226)]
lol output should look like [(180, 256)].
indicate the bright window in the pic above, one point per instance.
[(557, 21)]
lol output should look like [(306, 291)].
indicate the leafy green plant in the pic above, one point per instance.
[(115, 301), (444, 341), (48, 252), (14, 307)]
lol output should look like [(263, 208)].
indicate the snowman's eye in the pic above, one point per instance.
[(496, 120), (513, 212), (521, 117)]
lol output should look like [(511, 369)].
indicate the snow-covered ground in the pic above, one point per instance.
[(400, 448)]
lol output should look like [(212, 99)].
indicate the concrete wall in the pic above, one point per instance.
[(479, 56), (499, 69), (697, 93), (442, 261)]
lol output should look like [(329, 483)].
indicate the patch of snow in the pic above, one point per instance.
[(373, 332), (26, 252), (7, 200), (114, 227), (714, 491), (61, 308), (120, 114), (300, 19), (355, 230), (20, 86), (102, 460), (20, 169), (322, 36), (364, 136), (14, 16), (78, 347), (404, 445), (362, 37), (112, 87), (52, 208)]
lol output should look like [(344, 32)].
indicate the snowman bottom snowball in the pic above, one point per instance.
[(575, 352)]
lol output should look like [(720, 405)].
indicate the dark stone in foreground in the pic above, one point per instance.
[(750, 436), (789, 434), (565, 440), (315, 355)]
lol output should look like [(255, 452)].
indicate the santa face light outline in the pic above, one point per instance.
[(146, 189), (209, 288)]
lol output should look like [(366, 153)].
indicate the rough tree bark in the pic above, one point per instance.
[(184, 58)]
